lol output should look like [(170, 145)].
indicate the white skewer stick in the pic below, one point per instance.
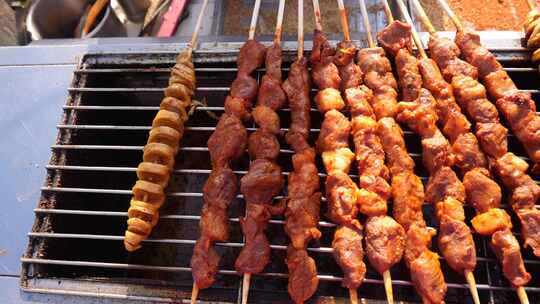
[(451, 14), (522, 294), (279, 22), (195, 34), (388, 12), (423, 17), (415, 36), (245, 287), (317, 12), (194, 293), (301, 27), (367, 26), (254, 16), (343, 18)]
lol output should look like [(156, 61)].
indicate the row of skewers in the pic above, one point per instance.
[(360, 99)]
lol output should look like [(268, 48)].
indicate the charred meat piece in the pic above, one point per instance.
[(349, 255), (506, 247), (385, 242)]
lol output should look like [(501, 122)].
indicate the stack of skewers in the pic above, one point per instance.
[(441, 99)]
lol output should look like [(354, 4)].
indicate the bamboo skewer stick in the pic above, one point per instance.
[(522, 294), (344, 23), (468, 274), (254, 16), (195, 34), (532, 4), (300, 43), (451, 14), (388, 12), (415, 36), (317, 12), (367, 26), (423, 17), (246, 280)]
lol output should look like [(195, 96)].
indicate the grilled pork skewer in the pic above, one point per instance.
[(264, 179), (227, 144), (470, 94), (407, 188), (333, 143), (162, 146), (385, 238), (420, 112), (304, 198)]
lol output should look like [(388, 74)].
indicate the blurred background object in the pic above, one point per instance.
[(8, 30)]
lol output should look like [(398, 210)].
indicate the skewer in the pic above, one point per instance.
[(469, 276), (317, 12), (532, 4), (301, 25), (423, 17), (246, 281), (367, 26), (522, 294), (451, 14), (344, 23), (254, 16), (415, 36), (388, 12), (387, 279), (251, 35), (195, 34)]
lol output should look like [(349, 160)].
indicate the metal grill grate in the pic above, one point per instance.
[(76, 242)]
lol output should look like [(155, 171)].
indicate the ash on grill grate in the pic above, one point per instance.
[(80, 219)]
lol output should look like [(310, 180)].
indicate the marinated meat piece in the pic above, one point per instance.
[(329, 99), (520, 112), (476, 54), (530, 227), (297, 89), (371, 204), (374, 60), (204, 263), (408, 194), (482, 192), (506, 247), (273, 67), (326, 76), (385, 242), (237, 107), (350, 73), (472, 96), (456, 244), (393, 143), (267, 119), (436, 152), (410, 80), (349, 254), (420, 114), (358, 102), (263, 145), (270, 93), (467, 153), (396, 36), (250, 57), (262, 182), (303, 280), (493, 220), (322, 51), (499, 84), (218, 192), (442, 184), (245, 88), (345, 53), (302, 219), (446, 53), (451, 208), (342, 197), (333, 141), (493, 138), (228, 140)]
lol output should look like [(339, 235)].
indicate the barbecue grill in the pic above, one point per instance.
[(75, 246)]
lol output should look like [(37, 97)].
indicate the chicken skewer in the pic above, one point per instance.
[(162, 146), (407, 188), (385, 238), (491, 220), (304, 198), (264, 179), (227, 144), (341, 191), (421, 111)]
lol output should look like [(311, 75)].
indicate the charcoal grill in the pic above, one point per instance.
[(75, 246)]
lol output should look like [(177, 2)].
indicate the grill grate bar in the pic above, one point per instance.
[(138, 128), (192, 242), (233, 272), (151, 108)]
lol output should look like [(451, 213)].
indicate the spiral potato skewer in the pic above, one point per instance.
[(159, 153)]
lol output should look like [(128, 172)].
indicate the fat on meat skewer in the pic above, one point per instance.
[(421, 112), (407, 187), (162, 146), (341, 192), (264, 179), (384, 237), (472, 98), (227, 144)]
